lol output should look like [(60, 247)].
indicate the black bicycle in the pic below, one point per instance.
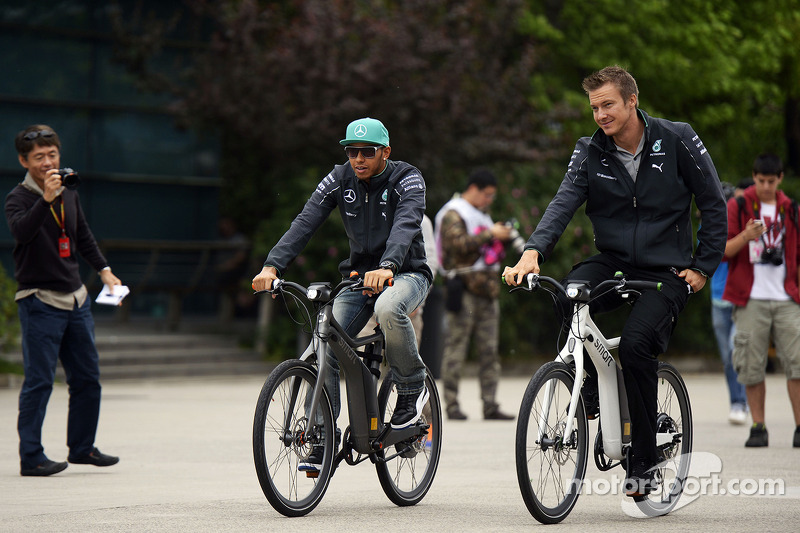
[(294, 416)]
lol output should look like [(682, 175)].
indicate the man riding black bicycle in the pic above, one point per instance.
[(381, 203), (637, 175)]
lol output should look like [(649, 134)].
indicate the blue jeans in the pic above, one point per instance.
[(724, 330), (50, 334), (352, 310)]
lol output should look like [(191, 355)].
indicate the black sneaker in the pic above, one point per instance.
[(759, 437), (409, 409), (313, 463), (641, 480), (796, 440), (591, 399)]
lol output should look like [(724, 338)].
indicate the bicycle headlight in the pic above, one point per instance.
[(573, 291), (319, 292)]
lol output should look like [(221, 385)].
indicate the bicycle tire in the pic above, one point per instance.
[(550, 474), (674, 418), (408, 477), (278, 450)]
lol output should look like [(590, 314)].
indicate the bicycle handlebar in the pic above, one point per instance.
[(619, 284), (352, 283)]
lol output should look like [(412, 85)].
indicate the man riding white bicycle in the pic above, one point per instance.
[(381, 203), (637, 175)]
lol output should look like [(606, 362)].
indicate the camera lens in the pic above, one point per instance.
[(69, 178)]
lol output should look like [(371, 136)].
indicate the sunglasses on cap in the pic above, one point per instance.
[(369, 152), (31, 135)]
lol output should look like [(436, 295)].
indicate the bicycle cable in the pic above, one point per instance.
[(305, 323)]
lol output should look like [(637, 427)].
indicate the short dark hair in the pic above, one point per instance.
[(615, 74), (768, 164), (47, 137), (482, 178)]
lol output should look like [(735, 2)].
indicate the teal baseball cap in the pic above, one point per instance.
[(366, 130)]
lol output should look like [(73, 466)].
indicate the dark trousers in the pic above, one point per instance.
[(50, 334), (645, 335)]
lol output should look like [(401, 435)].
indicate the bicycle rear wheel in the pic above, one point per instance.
[(550, 464), (674, 442), (407, 478), (283, 439)]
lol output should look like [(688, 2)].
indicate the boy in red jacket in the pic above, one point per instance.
[(762, 251)]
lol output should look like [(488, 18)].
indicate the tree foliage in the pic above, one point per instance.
[(461, 84), (731, 69), (9, 322)]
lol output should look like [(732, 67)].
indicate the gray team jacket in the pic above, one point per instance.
[(646, 223), (382, 220)]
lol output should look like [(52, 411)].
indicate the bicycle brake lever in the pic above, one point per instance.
[(270, 291)]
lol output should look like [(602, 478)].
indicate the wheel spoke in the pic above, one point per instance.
[(279, 443), (406, 477), (550, 463)]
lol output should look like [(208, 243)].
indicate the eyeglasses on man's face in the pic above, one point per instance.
[(369, 152), (31, 135)]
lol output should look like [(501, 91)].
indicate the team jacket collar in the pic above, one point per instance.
[(606, 143)]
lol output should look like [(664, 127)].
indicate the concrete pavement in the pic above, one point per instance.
[(186, 465)]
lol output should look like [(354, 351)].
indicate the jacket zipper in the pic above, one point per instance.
[(635, 229), (369, 217)]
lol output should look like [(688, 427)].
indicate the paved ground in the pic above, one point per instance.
[(187, 466)]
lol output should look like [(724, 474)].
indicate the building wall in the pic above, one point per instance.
[(142, 177)]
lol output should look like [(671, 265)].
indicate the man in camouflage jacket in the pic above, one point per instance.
[(470, 249)]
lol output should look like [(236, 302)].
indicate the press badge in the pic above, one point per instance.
[(756, 249), (63, 246)]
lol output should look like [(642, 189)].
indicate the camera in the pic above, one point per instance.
[(517, 242), (69, 178), (772, 256)]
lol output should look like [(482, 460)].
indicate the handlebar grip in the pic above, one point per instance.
[(388, 283), (639, 285)]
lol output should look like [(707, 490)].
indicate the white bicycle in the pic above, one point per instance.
[(552, 429)]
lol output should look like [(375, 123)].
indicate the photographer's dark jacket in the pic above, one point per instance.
[(646, 223), (36, 233), (382, 219), (740, 269)]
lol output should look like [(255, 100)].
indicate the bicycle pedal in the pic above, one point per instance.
[(314, 474)]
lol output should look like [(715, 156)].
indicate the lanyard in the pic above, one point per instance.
[(59, 222), (780, 215)]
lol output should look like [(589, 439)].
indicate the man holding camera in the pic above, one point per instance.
[(471, 247), (762, 251), (50, 231)]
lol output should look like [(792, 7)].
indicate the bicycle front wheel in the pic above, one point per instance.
[(673, 440), (283, 439), (407, 478), (551, 464)]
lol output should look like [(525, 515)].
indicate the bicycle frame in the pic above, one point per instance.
[(367, 430), (585, 337)]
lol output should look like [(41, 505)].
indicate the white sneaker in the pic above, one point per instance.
[(738, 414)]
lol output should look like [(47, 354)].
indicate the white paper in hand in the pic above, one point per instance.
[(105, 297)]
